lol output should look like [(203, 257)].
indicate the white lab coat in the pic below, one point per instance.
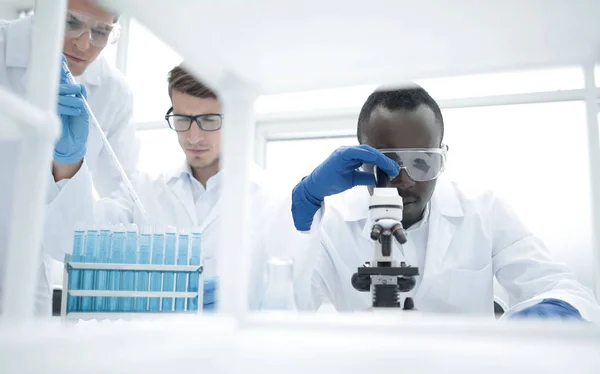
[(472, 238), (111, 100), (109, 97), (168, 200)]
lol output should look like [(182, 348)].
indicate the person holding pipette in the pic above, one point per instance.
[(88, 30), (186, 197)]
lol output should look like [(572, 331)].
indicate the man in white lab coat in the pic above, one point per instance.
[(186, 197), (459, 240), (88, 30)]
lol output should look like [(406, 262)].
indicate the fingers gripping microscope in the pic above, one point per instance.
[(382, 277)]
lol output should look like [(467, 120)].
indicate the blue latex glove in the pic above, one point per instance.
[(72, 144), (336, 174), (549, 308), (210, 294)]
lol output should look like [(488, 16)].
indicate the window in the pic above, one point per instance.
[(148, 62), (293, 159), (535, 156)]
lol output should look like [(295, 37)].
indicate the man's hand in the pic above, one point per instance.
[(336, 174), (70, 148), (550, 308)]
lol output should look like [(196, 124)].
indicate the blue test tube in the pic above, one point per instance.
[(169, 276), (117, 256), (128, 280), (158, 257), (142, 277), (101, 281), (91, 249), (195, 276), (73, 302), (182, 259)]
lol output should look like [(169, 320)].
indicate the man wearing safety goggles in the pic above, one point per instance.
[(460, 242), (88, 30)]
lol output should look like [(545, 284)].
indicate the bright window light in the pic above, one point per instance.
[(293, 159), (149, 60), (535, 156)]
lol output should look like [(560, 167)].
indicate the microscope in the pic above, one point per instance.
[(382, 276)]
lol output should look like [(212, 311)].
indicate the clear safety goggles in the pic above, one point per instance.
[(100, 33), (421, 164)]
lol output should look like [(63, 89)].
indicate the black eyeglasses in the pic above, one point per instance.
[(182, 123)]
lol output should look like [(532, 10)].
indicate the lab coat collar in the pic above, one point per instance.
[(185, 171), (18, 43), (183, 193), (355, 204)]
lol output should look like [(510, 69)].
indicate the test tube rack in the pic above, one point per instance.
[(69, 266)]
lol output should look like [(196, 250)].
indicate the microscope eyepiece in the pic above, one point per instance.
[(382, 179)]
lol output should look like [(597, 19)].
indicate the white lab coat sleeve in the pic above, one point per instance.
[(71, 205), (323, 278), (323, 270), (74, 205), (122, 138), (525, 269)]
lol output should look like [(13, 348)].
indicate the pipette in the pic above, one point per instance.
[(106, 144)]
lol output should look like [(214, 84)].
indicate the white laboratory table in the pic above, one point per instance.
[(318, 343)]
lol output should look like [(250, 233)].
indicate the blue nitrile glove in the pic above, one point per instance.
[(336, 174), (210, 294), (71, 146), (549, 308)]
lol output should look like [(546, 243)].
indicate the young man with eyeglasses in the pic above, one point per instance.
[(460, 240), (88, 30), (187, 196)]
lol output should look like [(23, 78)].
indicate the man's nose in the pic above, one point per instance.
[(195, 134), (83, 42), (403, 181)]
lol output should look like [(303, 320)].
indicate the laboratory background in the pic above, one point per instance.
[(522, 134), (539, 112)]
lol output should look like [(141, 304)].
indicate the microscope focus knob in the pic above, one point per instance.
[(406, 284), (361, 283)]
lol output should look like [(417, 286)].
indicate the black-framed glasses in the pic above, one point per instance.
[(182, 123)]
